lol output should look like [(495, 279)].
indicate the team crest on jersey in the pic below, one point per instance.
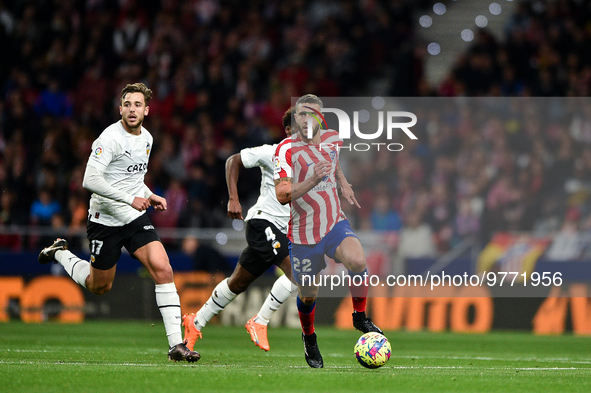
[(147, 149), (98, 151)]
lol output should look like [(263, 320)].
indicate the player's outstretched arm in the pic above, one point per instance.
[(233, 165), (287, 191), (346, 189), (94, 181)]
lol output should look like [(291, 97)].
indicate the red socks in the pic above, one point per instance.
[(306, 316), (359, 303)]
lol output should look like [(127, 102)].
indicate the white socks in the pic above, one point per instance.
[(169, 305), (167, 298), (279, 293), (77, 268), (220, 298)]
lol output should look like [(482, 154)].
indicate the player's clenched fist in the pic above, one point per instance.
[(322, 169), (234, 209), (158, 202), (140, 204)]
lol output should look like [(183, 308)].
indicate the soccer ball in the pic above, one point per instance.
[(372, 350)]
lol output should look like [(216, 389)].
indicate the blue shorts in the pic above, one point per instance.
[(308, 260)]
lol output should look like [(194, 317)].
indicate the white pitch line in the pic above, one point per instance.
[(486, 368), (549, 368), (293, 367), (340, 355), (77, 363), (143, 352)]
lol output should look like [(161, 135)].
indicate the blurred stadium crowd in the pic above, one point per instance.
[(223, 73)]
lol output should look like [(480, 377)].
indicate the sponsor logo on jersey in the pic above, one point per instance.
[(98, 151), (128, 153), (323, 186), (137, 167), (333, 155), (97, 215), (148, 227)]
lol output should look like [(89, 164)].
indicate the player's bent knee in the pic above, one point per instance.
[(356, 265), (236, 286), (285, 266), (308, 293), (163, 276), (240, 279)]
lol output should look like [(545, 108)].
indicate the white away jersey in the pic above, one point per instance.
[(124, 159), (319, 210), (267, 206)]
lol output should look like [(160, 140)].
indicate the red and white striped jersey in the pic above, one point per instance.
[(314, 214)]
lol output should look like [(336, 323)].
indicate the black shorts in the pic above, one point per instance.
[(106, 242), (267, 246)]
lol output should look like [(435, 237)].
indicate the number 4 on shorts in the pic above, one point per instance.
[(272, 238)]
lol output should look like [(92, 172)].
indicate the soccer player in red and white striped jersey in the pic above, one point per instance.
[(307, 226), (307, 171)]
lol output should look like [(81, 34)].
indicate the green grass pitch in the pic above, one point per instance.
[(113, 356)]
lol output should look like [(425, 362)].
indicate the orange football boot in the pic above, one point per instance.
[(191, 332), (258, 333)]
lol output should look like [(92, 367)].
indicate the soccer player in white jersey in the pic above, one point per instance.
[(266, 228), (306, 174), (117, 216)]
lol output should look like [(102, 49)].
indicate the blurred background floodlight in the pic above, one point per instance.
[(363, 116), (439, 8), (481, 21), (425, 21), (433, 48), (494, 8), (221, 238), (467, 35), (378, 103)]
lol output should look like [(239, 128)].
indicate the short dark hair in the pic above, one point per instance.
[(309, 99), (289, 117), (137, 88)]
